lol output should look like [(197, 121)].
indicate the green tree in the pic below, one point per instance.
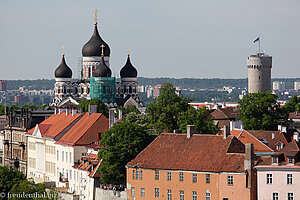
[(101, 107), (142, 120), (9, 177), (121, 144), (31, 107), (200, 118), (165, 109), (293, 105), (260, 111)]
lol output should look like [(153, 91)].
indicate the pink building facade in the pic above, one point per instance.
[(278, 177)]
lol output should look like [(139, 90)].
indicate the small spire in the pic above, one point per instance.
[(63, 49), (96, 19), (128, 50), (102, 51)]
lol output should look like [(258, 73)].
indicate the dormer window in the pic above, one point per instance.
[(290, 160), (275, 159), (279, 146)]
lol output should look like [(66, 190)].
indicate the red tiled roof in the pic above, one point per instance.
[(86, 130), (43, 128), (198, 153), (58, 122), (291, 149), (278, 138), (246, 137), (266, 135), (224, 113)]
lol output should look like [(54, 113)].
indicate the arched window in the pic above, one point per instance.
[(89, 72), (207, 195)]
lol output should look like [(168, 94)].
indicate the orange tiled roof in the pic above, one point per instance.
[(246, 137), (266, 135), (82, 132), (57, 122), (209, 153)]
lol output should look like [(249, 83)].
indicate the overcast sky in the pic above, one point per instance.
[(168, 38)]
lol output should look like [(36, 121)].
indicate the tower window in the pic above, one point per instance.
[(259, 77)]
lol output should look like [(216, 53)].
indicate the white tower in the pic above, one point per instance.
[(259, 72)]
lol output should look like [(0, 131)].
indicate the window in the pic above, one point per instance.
[(156, 193), (180, 176), (62, 156), (156, 175), (290, 196), (57, 155), (275, 196), (290, 160), (133, 174), (132, 191), (70, 157), (169, 176), (289, 179), (194, 178), (207, 179), (141, 174), (181, 195), (269, 179), (142, 192), (137, 174), (279, 146), (66, 156), (169, 195), (229, 180), (70, 174), (207, 195), (275, 159), (66, 173), (57, 172), (194, 195)]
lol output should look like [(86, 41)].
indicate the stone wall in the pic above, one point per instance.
[(110, 195)]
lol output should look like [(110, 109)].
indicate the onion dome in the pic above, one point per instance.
[(102, 70), (93, 46), (128, 70), (63, 71)]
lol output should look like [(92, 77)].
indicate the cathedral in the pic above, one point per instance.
[(96, 79)]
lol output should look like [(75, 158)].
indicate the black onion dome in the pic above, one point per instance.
[(93, 46), (63, 71), (102, 70), (128, 70)]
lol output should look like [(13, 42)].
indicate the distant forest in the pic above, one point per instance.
[(187, 83)]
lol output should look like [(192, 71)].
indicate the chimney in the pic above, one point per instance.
[(273, 135), (280, 127), (226, 131), (93, 108), (190, 130), (296, 136), (284, 129), (249, 163)]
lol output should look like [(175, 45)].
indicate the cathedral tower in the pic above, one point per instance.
[(91, 52), (63, 75)]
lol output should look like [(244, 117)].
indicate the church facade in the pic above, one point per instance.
[(96, 79)]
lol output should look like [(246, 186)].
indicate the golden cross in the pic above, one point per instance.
[(102, 52), (63, 48), (96, 12), (128, 50)]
